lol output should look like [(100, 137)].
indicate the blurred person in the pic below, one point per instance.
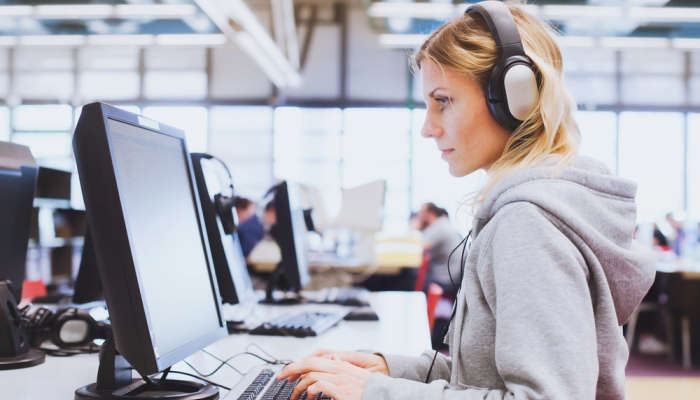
[(678, 234), (439, 239), (250, 228), (551, 272)]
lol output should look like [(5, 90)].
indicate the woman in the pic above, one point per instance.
[(551, 273)]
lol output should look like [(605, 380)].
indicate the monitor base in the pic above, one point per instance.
[(29, 359), (140, 390)]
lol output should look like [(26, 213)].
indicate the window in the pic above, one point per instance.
[(599, 136), (651, 145), (376, 145), (242, 138), (431, 180), (4, 124), (694, 166), (193, 120), (175, 85)]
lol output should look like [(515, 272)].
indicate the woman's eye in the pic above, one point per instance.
[(442, 102)]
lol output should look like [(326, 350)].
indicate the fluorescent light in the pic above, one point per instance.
[(576, 11), (15, 11), (52, 40), (402, 41), (160, 11), (576, 41), (685, 43), (6, 41), (412, 10), (119, 40), (74, 11), (191, 40), (634, 42), (665, 14)]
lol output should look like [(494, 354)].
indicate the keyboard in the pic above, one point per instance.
[(265, 387), (344, 296), (298, 325)]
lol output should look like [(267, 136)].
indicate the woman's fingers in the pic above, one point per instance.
[(327, 388), (307, 365), (304, 383)]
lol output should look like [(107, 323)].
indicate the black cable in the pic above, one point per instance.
[(276, 360), (463, 243), (202, 379), (69, 352)]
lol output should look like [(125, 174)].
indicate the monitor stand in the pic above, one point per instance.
[(276, 279), (114, 382), (14, 342)]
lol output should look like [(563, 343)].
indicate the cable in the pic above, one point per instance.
[(276, 360), (202, 379), (69, 352), (464, 244)]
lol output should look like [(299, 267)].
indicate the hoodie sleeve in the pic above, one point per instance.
[(416, 368), (535, 282)]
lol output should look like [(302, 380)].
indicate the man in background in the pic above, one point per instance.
[(439, 239)]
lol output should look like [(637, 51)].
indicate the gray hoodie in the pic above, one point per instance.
[(551, 276)]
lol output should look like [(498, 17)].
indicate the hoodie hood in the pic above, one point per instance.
[(597, 207)]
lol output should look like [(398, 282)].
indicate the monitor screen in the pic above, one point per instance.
[(158, 203), (290, 233), (215, 180)]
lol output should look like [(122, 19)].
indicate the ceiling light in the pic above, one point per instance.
[(6, 41), (52, 40), (402, 41), (576, 41), (160, 11), (576, 11), (191, 40), (15, 11), (685, 43), (665, 14), (634, 42), (412, 10), (119, 40), (74, 11)]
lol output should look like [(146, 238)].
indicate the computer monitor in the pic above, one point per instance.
[(152, 250), (212, 178), (18, 174), (88, 286), (289, 231)]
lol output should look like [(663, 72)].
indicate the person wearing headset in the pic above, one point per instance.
[(552, 271)]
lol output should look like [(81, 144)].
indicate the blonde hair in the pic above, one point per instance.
[(466, 45)]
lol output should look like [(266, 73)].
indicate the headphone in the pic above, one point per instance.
[(70, 329), (225, 204), (512, 88)]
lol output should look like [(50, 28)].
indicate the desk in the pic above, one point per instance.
[(392, 254), (402, 329)]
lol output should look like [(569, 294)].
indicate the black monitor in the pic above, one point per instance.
[(289, 231), (152, 251), (213, 178), (88, 286), (18, 174)]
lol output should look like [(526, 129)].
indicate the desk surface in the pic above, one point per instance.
[(402, 329)]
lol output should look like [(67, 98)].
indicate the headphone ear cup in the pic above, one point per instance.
[(520, 89), (224, 207)]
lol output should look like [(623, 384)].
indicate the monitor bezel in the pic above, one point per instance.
[(291, 268), (120, 280)]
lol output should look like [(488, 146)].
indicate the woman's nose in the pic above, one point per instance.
[(431, 129)]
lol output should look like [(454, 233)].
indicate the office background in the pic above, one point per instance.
[(357, 114)]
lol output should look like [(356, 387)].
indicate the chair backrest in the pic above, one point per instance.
[(422, 272), (434, 294)]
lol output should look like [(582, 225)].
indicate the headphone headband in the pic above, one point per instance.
[(502, 26)]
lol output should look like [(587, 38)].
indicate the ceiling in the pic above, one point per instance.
[(101, 17), (593, 22)]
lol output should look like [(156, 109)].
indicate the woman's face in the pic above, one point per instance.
[(465, 132)]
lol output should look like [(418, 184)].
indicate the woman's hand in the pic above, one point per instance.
[(371, 362), (328, 375)]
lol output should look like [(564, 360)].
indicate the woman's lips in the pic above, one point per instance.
[(446, 152)]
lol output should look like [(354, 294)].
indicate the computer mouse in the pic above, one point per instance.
[(362, 314)]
